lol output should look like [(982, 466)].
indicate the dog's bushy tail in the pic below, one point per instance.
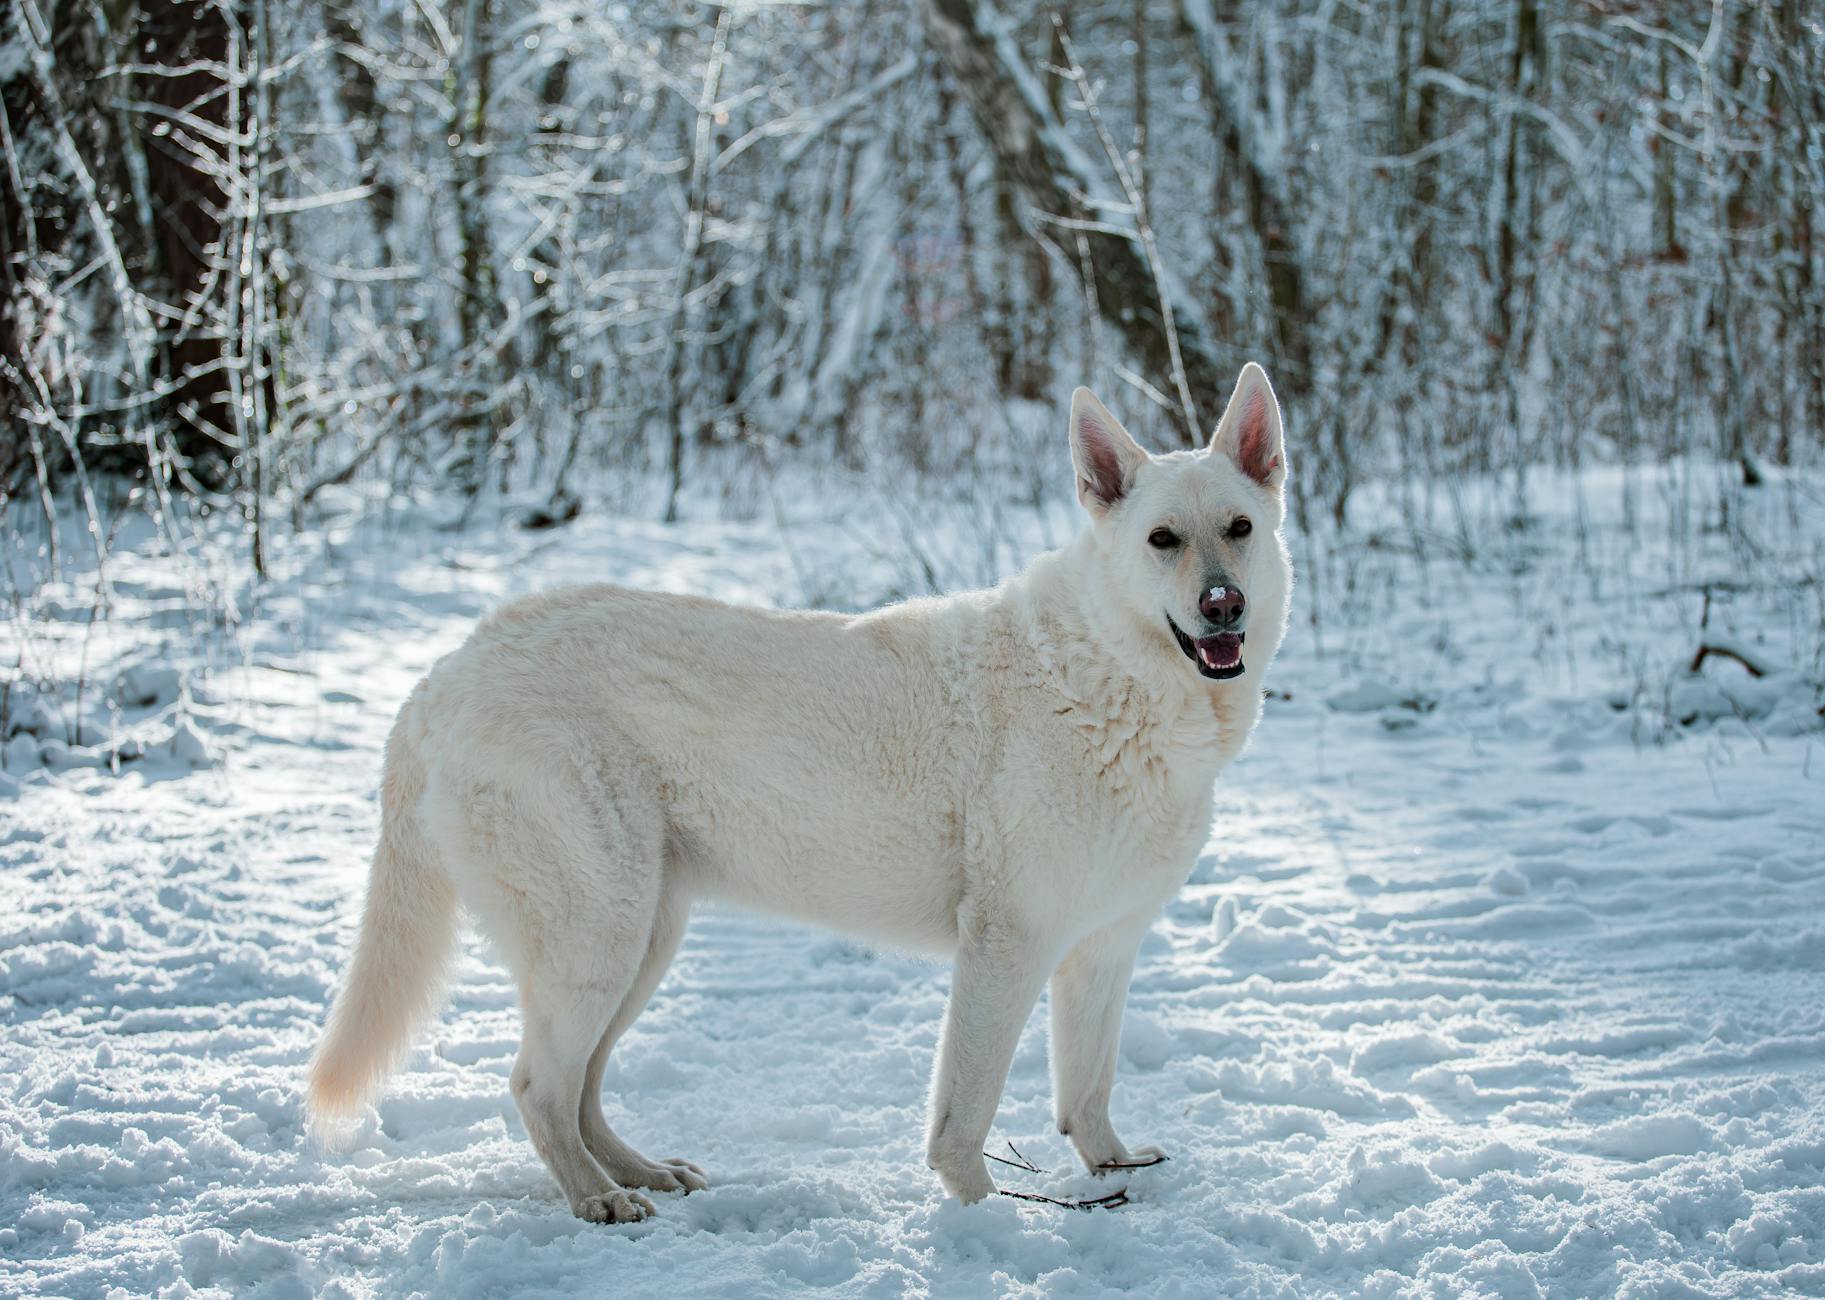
[(408, 931)]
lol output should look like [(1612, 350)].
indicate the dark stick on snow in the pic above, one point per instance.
[(1728, 650), (1148, 1163), (1018, 1162), (1108, 1202)]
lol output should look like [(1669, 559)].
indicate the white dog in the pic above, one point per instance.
[(1020, 777)]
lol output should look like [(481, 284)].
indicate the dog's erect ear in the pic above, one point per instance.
[(1249, 432), (1102, 453)]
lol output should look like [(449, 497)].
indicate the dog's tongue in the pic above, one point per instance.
[(1221, 651)]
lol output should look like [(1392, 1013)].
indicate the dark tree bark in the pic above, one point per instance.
[(359, 95), (1516, 229), (156, 176), (1033, 152), (1270, 215), (188, 206)]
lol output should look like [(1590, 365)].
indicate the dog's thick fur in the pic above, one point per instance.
[(1020, 776)]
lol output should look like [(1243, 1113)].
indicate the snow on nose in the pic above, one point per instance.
[(1221, 604)]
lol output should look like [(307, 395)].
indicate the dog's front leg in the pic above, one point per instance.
[(994, 984), (1089, 989)]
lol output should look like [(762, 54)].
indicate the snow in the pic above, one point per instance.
[(1503, 972)]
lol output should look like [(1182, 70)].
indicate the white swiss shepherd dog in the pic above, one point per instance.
[(1019, 777)]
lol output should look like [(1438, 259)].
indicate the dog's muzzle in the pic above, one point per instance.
[(1218, 657)]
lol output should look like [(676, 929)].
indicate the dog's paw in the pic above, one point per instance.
[(688, 1175), (665, 1176), (968, 1183), (614, 1207)]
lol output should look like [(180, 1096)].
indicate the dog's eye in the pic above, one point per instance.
[(1241, 528), (1163, 538)]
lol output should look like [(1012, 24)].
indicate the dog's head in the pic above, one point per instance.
[(1191, 540)]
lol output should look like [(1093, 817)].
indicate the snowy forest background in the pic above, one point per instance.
[(734, 261), (258, 248), (328, 326)]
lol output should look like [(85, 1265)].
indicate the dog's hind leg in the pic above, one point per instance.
[(626, 1165), (561, 1020), (568, 878)]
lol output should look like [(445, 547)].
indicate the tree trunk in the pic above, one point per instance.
[(358, 94), (1269, 213), (144, 190), (1033, 151)]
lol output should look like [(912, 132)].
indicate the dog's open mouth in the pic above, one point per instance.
[(1218, 657)]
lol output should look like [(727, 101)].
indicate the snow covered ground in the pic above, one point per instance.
[(1503, 973)]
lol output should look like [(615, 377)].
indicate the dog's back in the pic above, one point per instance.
[(807, 763)]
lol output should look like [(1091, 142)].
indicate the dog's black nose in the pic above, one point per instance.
[(1221, 604)]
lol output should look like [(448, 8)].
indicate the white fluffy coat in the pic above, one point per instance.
[(1020, 777)]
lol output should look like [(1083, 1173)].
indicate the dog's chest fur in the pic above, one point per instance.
[(1132, 767), (1155, 763)]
